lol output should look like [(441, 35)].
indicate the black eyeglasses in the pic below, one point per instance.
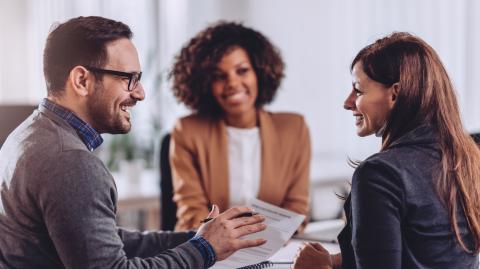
[(133, 78)]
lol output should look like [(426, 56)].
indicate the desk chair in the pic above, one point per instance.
[(11, 116), (168, 207), (476, 137)]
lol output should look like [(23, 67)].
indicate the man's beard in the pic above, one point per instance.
[(105, 118)]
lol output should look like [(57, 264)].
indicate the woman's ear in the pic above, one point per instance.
[(79, 79), (394, 90)]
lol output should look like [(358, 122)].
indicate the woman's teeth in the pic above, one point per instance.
[(236, 96), (358, 119)]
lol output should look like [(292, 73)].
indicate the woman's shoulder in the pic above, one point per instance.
[(376, 161), (408, 157), (383, 164), (285, 116), (403, 166), (285, 119), (378, 175), (387, 160), (193, 122)]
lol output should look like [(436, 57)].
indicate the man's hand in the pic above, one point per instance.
[(312, 255), (223, 232)]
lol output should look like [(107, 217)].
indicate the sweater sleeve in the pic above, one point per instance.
[(377, 202), (78, 200), (147, 244)]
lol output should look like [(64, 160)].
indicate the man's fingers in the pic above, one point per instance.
[(318, 247), (247, 220), (249, 229), (235, 211), (250, 243), (214, 212), (307, 250)]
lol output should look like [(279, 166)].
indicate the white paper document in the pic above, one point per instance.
[(281, 224)]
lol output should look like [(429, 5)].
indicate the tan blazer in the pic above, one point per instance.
[(198, 157)]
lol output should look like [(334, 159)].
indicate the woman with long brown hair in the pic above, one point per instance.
[(415, 204)]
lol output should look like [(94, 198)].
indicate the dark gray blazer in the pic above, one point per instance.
[(58, 207), (394, 217)]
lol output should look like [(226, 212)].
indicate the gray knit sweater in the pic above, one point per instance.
[(58, 207)]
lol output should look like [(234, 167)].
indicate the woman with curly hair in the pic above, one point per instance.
[(230, 149), (415, 204)]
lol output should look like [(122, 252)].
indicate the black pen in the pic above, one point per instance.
[(247, 214)]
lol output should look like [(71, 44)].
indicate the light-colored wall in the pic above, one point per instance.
[(320, 38), (13, 53), (472, 70)]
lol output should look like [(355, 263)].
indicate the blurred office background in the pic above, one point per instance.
[(317, 38)]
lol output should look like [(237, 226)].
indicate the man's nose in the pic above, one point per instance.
[(138, 93)]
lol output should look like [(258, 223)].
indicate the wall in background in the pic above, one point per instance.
[(318, 40), (13, 57)]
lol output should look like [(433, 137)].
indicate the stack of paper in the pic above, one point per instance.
[(281, 224)]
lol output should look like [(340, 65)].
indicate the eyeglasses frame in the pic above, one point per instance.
[(128, 75)]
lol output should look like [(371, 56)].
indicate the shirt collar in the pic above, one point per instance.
[(89, 136)]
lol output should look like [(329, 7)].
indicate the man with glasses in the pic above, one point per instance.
[(58, 201)]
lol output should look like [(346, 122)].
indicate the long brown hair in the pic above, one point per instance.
[(426, 96)]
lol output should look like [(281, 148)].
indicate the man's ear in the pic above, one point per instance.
[(395, 89), (80, 80)]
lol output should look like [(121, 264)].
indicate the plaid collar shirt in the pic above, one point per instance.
[(89, 136)]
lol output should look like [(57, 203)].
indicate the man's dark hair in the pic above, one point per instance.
[(79, 41), (193, 70)]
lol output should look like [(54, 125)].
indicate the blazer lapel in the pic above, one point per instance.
[(218, 166), (270, 157)]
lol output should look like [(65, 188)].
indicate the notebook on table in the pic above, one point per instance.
[(283, 259), (268, 264)]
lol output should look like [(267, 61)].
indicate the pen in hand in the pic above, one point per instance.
[(247, 214)]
